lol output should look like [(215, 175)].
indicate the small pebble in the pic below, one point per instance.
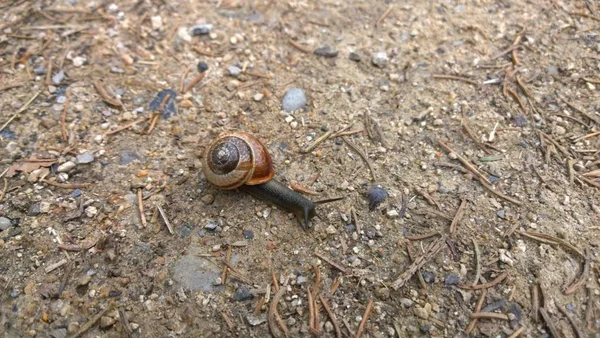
[(392, 213), (438, 122), (354, 57), (106, 322), (258, 97), (211, 225), (208, 199), (5, 223), (294, 99), (203, 29), (376, 195), (66, 167), (451, 279), (85, 158), (428, 276), (501, 213), (156, 21), (326, 51), (234, 71), (248, 234), (58, 77), (242, 293), (380, 59), (331, 230), (202, 67), (301, 280), (560, 130)]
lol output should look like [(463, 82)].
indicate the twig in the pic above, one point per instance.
[(68, 185), (194, 82), (127, 126), (365, 318), (518, 99), (587, 136), (273, 310), (412, 259), (227, 259), (165, 219), (335, 265), (105, 96), (297, 187), (535, 303), (457, 78), (182, 79), (3, 193), (517, 333), (489, 315), (575, 108), (549, 323), (431, 251), (24, 108), (311, 309), (362, 155), (578, 332), (423, 236), (553, 239), (334, 321), (316, 142), (141, 207), (383, 16), (65, 279), (458, 216), (499, 194), (91, 322), (56, 265), (493, 283), (259, 305), (334, 286), (228, 321), (515, 43), (583, 277), (465, 162), (317, 281), (299, 47), (471, 135), (477, 263), (477, 309)]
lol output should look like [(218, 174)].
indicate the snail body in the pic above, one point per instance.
[(239, 160)]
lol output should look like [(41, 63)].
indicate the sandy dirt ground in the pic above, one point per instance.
[(464, 136)]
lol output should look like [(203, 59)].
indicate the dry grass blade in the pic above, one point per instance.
[(493, 283), (272, 310), (458, 216), (432, 250), (365, 318)]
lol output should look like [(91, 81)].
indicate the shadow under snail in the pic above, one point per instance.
[(239, 160)]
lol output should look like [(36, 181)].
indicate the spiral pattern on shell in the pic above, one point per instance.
[(237, 158)]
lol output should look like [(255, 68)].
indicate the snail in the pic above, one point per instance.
[(238, 159)]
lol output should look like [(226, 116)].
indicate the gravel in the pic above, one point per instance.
[(380, 59), (326, 51), (5, 223), (294, 99)]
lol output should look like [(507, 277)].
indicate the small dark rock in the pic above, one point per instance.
[(76, 193), (211, 225), (571, 307), (452, 279), (426, 328), (7, 134), (428, 276), (501, 213), (326, 51), (34, 209), (39, 70), (185, 230), (201, 29), (376, 195), (493, 179), (127, 157), (248, 234), (516, 310), (202, 67), (168, 107), (350, 227), (354, 57), (242, 293), (494, 306), (520, 121)]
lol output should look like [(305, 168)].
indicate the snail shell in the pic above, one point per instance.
[(237, 158)]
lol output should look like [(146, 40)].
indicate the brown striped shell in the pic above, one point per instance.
[(237, 158)]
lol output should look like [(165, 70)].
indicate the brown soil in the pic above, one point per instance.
[(77, 257)]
